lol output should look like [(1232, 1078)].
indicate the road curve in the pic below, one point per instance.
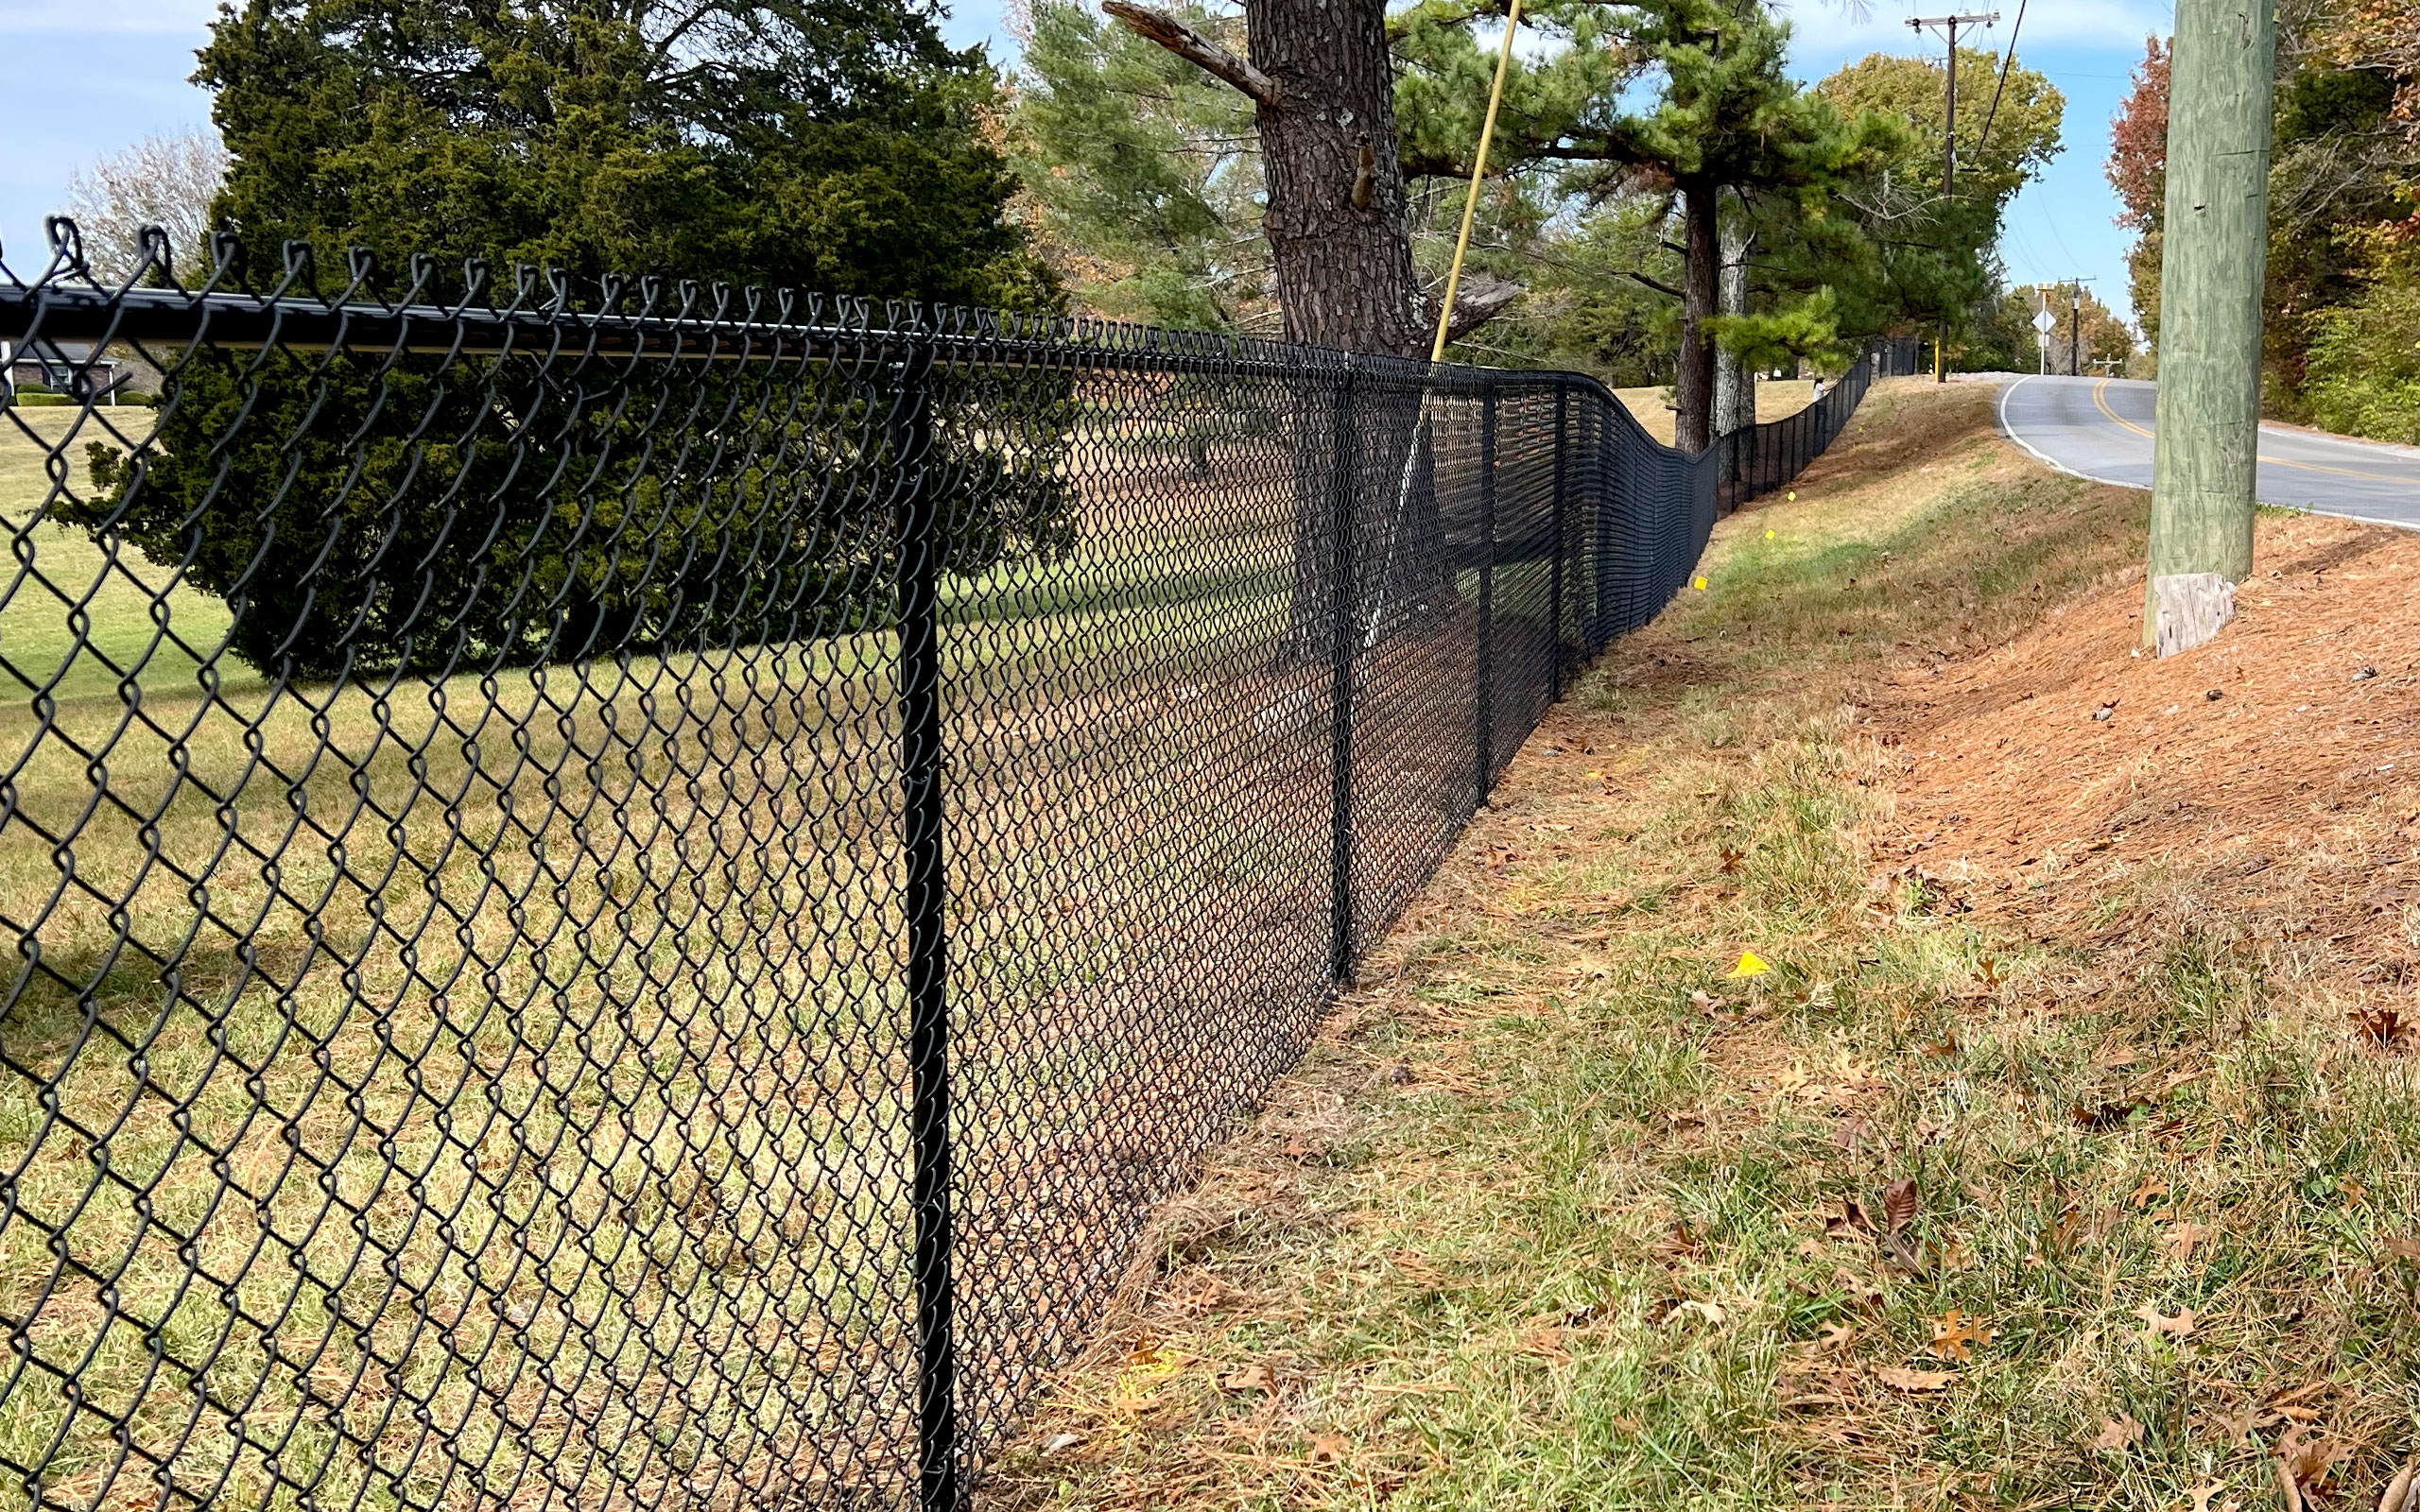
[(2100, 428)]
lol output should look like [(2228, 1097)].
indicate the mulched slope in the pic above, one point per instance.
[(2274, 772)]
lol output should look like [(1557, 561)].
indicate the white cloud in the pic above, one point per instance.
[(107, 16), (1831, 28)]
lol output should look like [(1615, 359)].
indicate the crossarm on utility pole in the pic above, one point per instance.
[(1948, 149)]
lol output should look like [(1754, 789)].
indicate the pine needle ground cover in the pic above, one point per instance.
[(2063, 1153)]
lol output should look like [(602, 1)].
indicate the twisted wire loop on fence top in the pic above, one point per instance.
[(625, 896)]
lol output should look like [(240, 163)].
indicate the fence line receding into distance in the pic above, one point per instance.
[(625, 898)]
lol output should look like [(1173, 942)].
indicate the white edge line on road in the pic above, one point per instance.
[(2000, 414)]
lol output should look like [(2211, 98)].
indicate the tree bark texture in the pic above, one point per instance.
[(1735, 388), (1693, 385), (1336, 220), (1323, 91)]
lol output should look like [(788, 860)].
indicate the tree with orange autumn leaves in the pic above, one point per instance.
[(2342, 301)]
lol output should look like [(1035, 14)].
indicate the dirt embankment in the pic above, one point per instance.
[(2274, 772), (2057, 1179)]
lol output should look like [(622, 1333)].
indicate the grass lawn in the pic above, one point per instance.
[(75, 620), (433, 1092), (1777, 399), (2043, 1172)]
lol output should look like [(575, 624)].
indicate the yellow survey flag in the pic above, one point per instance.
[(1698, 583), (1749, 966)]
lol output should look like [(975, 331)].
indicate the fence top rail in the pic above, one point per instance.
[(542, 313)]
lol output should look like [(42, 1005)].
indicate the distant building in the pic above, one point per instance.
[(76, 369)]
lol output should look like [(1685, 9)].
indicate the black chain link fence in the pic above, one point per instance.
[(625, 898)]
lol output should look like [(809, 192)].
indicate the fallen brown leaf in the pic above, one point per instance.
[(1899, 1380), (1250, 1378), (1899, 1205), (2182, 1240), (1953, 1331), (2382, 1028), (2303, 1463), (2154, 1325), (2118, 1433), (2103, 1116), (2402, 1494)]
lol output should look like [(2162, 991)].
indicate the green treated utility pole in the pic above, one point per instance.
[(2212, 265)]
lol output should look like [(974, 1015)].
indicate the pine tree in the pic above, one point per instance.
[(1728, 117)]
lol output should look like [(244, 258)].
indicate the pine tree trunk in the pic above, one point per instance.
[(1323, 92), (1693, 385), (1342, 252), (1336, 223), (1735, 388)]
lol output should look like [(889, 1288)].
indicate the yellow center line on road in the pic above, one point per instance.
[(2102, 403)]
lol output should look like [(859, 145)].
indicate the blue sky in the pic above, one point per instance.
[(88, 76)]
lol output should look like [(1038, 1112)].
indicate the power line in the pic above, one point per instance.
[(1992, 114), (1948, 146)]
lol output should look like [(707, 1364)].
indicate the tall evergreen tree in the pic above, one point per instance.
[(373, 513), (1728, 117), (832, 145), (1928, 257)]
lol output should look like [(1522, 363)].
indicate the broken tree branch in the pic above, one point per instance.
[(1160, 28), (1477, 305)]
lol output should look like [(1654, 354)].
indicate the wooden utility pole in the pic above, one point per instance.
[(2075, 325), (2213, 261), (1948, 149)]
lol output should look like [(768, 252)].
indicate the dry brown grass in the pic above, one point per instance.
[(1557, 1215), (1777, 399)]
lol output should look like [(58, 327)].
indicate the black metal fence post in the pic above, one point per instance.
[(1341, 479), (751, 806), (925, 896), (1561, 539), (1484, 767)]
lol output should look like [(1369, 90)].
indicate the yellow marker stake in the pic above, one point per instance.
[(1478, 171), (1749, 966), (1699, 584)]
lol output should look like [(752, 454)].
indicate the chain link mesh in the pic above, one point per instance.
[(627, 897)]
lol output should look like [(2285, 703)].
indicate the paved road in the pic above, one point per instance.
[(2100, 428)]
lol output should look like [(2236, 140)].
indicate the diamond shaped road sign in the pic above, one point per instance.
[(2044, 321)]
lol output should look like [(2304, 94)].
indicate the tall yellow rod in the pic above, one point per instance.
[(1478, 171)]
